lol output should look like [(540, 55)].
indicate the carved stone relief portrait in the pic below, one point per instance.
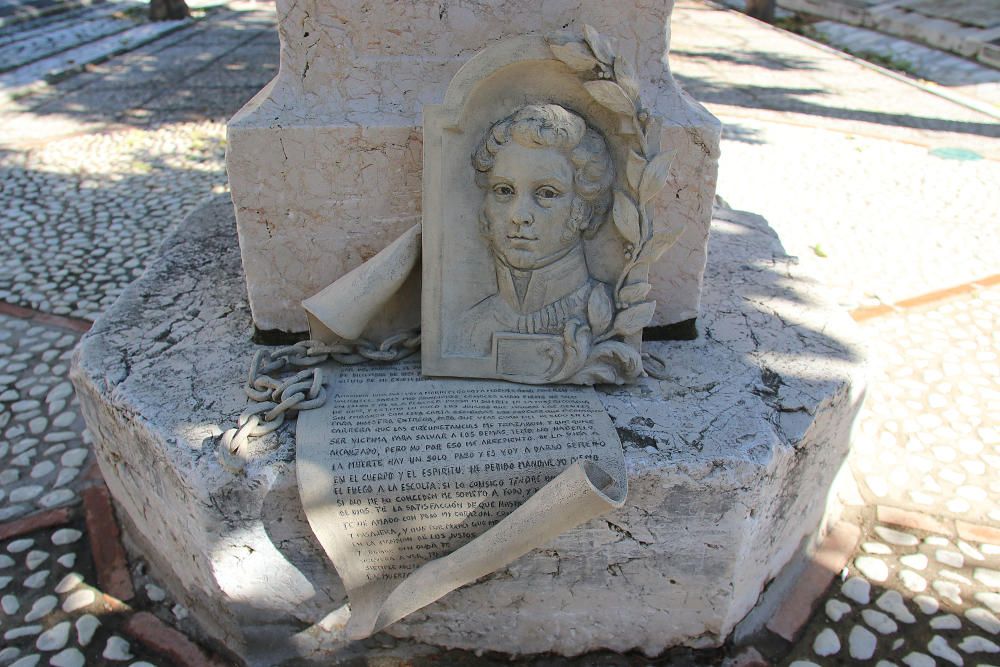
[(537, 241), (546, 183)]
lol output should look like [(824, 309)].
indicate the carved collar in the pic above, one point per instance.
[(546, 285)]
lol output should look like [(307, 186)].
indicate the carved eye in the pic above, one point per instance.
[(503, 190), (547, 192)]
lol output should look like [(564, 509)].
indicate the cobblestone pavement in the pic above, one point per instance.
[(858, 182), (924, 586), (83, 212)]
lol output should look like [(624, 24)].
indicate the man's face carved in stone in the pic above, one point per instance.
[(528, 205)]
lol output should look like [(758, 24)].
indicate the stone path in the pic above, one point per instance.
[(925, 583), (859, 181), (968, 28)]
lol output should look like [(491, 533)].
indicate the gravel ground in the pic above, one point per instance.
[(43, 448), (928, 442), (82, 214)]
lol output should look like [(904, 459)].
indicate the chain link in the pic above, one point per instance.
[(273, 400)]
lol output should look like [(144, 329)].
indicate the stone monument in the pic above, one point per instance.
[(342, 121), (550, 194)]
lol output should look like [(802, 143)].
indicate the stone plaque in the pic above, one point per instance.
[(539, 170), (416, 486)]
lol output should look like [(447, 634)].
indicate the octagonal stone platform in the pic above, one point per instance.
[(730, 462)]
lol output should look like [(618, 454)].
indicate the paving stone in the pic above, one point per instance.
[(35, 558), (917, 659), (988, 577), (857, 589), (946, 622), (55, 638), (876, 548), (66, 536), (879, 621), (991, 600), (86, 626), (78, 600), (22, 631), (892, 602), (861, 643), (873, 568), (977, 644), (69, 582), (41, 608), (36, 580), (835, 609), (27, 661), (10, 604), (70, 657), (912, 581), (984, 619), (117, 649), (896, 537), (939, 647), (948, 590), (826, 643), (915, 561), (949, 558)]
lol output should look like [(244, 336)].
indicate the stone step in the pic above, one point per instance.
[(42, 26), (17, 13), (50, 43), (23, 80)]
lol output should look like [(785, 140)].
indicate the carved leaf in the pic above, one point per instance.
[(634, 292), (660, 243), (576, 346), (600, 44), (611, 95), (610, 362), (575, 54), (626, 78), (654, 176), (599, 310), (640, 272), (627, 125), (626, 217), (633, 169), (633, 319)]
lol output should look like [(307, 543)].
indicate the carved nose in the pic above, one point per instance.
[(522, 215)]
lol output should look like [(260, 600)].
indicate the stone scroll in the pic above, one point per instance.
[(417, 486)]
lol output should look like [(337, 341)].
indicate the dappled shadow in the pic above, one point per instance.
[(755, 58), (742, 134), (205, 71), (82, 220), (793, 99)]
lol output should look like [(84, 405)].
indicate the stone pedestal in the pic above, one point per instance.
[(325, 161), (730, 462)]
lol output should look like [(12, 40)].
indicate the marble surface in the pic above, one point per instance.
[(748, 429), (325, 162)]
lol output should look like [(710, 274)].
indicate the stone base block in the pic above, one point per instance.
[(730, 459)]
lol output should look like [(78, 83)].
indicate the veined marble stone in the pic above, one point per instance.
[(325, 162), (730, 461)]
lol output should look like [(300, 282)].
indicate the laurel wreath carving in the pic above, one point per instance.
[(591, 353)]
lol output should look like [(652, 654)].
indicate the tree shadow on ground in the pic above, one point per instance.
[(804, 101), (203, 72), (753, 58)]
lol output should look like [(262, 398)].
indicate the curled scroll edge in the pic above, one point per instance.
[(580, 493), (344, 309)]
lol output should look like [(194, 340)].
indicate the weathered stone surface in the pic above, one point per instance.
[(729, 460), (325, 161)]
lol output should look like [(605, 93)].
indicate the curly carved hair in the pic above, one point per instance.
[(552, 126)]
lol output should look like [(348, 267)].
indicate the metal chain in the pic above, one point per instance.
[(273, 400), (655, 365)]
